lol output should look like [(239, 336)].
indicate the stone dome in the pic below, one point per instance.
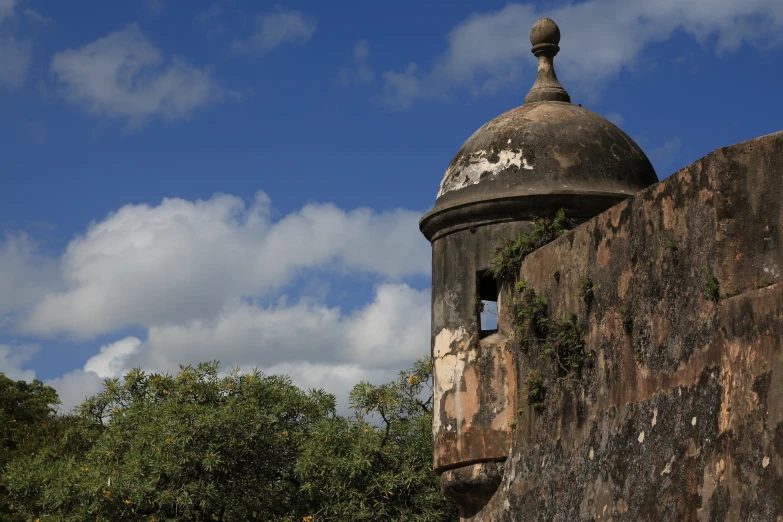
[(546, 154)]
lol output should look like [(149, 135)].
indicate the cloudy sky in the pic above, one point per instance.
[(242, 181)]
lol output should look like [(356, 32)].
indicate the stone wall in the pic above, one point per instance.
[(677, 414)]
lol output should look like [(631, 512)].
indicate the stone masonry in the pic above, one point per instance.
[(676, 413)]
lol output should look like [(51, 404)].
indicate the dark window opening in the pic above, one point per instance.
[(487, 303)]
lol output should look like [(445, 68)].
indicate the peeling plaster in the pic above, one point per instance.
[(459, 175), (448, 369)]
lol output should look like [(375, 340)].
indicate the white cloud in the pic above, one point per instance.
[(124, 75), (73, 387), (360, 71), (402, 88), (599, 39), (109, 362), (337, 379), (284, 26), (392, 330), (25, 275), (317, 346), (15, 54), (182, 260), (197, 276), (12, 360)]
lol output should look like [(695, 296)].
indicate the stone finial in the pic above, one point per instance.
[(545, 35)]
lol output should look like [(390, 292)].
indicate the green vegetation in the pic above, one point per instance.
[(354, 469), (479, 305), (711, 287), (536, 390), (530, 314), (561, 339), (565, 343), (508, 257), (670, 243), (200, 447), (27, 422), (586, 290)]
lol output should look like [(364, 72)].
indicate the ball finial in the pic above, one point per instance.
[(545, 31), (545, 37)]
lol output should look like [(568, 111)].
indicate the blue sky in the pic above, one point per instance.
[(242, 181)]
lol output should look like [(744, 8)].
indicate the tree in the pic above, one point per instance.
[(23, 406), (199, 447), (378, 465), (194, 447), (24, 409)]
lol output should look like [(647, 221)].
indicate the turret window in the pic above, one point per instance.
[(487, 303)]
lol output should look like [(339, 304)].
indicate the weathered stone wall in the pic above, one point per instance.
[(678, 412), (474, 387)]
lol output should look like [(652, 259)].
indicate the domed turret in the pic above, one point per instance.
[(546, 154), (531, 161)]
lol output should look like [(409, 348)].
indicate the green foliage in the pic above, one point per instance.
[(507, 258), (711, 287), (562, 339), (530, 313), (479, 305), (536, 390), (23, 406), (201, 447), (565, 343), (193, 446), (670, 243), (379, 465), (27, 422), (586, 290)]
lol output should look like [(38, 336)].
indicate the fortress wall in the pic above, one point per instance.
[(678, 412)]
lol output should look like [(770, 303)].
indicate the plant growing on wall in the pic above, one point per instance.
[(530, 314), (508, 256), (536, 390), (711, 287), (565, 344), (586, 290)]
